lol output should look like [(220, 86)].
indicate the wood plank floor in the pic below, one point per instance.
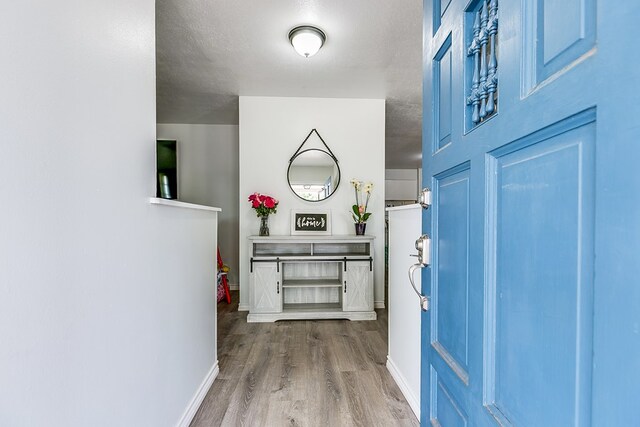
[(302, 373)]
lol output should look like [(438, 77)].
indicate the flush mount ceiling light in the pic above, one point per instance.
[(307, 40)]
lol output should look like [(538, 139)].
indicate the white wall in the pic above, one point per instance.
[(403, 360), (402, 184), (271, 129), (208, 175), (106, 309)]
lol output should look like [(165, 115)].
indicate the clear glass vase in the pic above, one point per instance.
[(264, 225)]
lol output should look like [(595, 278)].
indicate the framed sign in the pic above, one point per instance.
[(309, 222)]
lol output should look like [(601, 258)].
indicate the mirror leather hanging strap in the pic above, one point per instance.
[(324, 143)]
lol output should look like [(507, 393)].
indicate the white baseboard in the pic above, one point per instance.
[(234, 286), (245, 307), (197, 399), (414, 401), (305, 315)]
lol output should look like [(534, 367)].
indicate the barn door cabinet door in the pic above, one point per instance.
[(357, 289), (266, 288)]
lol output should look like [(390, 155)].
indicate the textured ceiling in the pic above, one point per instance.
[(210, 52)]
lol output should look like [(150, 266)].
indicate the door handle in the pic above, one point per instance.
[(423, 246), (424, 301)]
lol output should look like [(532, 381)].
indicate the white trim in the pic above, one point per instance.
[(179, 204), (243, 307), (198, 397), (413, 401), (378, 304), (234, 286), (403, 207)]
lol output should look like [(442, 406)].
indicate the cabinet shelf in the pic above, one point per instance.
[(312, 283), (274, 249), (310, 308), (341, 249)]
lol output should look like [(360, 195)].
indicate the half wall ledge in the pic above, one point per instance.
[(179, 204)]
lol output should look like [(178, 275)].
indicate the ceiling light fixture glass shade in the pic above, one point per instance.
[(307, 40)]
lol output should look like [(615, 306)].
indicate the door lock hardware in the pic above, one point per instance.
[(423, 246), (425, 198)]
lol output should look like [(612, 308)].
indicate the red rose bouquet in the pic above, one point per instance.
[(263, 204)]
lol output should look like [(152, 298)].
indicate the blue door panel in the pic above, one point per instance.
[(535, 223), (543, 283), (453, 375), (557, 33), (450, 293), (442, 90), (440, 8), (447, 411), (443, 6)]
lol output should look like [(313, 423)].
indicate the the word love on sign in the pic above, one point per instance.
[(304, 222)]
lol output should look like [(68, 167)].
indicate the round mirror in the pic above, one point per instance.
[(313, 175)]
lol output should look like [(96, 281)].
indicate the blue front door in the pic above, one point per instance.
[(532, 151)]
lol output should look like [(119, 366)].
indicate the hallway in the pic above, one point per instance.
[(302, 373)]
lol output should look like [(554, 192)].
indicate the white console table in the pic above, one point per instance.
[(320, 277)]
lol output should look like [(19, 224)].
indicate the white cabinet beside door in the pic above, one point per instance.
[(266, 287), (357, 287)]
